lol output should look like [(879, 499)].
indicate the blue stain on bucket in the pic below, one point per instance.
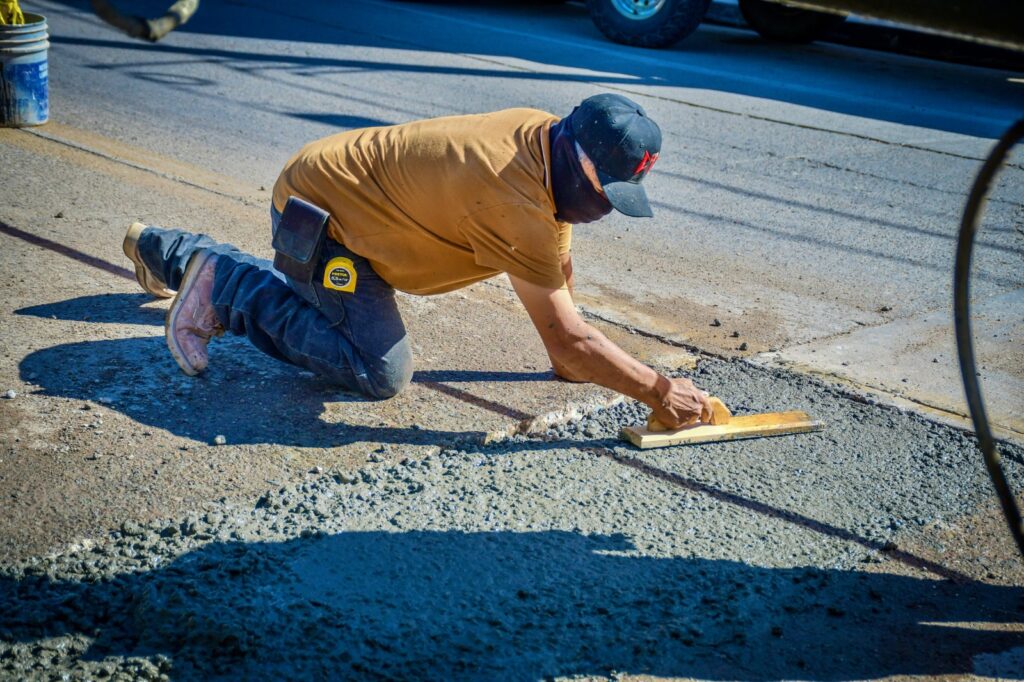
[(24, 81)]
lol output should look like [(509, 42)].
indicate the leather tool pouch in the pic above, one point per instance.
[(299, 239)]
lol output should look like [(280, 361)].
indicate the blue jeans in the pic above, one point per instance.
[(356, 339)]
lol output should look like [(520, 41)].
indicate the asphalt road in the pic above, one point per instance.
[(807, 199), (803, 193)]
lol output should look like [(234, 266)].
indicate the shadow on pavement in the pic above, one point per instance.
[(138, 377), (112, 308), (473, 375), (342, 120), (511, 605)]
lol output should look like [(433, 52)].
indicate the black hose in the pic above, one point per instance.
[(962, 321)]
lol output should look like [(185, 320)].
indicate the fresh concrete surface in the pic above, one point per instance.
[(574, 558)]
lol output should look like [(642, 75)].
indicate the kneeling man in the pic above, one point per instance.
[(424, 207)]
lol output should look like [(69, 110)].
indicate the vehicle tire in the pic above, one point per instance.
[(647, 23), (787, 24)]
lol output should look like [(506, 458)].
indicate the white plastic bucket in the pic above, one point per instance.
[(24, 73)]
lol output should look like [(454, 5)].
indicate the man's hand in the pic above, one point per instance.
[(682, 403)]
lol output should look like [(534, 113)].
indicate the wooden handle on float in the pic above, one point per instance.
[(720, 414)]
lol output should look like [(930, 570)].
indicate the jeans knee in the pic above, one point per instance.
[(391, 374)]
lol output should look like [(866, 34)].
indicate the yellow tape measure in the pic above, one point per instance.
[(340, 275)]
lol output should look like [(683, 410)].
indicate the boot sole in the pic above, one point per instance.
[(146, 279), (177, 352)]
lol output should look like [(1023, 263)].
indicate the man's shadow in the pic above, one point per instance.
[(500, 605), (238, 396)]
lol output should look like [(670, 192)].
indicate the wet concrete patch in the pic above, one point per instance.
[(874, 475), (522, 605), (781, 558)]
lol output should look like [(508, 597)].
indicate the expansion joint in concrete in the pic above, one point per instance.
[(591, 314)]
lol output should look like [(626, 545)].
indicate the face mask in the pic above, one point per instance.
[(576, 199)]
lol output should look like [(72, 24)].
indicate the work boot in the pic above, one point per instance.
[(149, 281), (191, 320)]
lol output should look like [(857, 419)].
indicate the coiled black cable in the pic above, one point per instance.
[(962, 320)]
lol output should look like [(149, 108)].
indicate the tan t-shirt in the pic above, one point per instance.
[(438, 204)]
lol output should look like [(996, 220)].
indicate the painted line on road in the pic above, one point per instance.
[(978, 625), (807, 522)]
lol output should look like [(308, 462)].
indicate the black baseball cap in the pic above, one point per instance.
[(623, 143)]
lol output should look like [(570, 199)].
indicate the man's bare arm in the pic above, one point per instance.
[(570, 283), (584, 354)]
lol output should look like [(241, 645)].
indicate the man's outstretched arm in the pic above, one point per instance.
[(580, 352)]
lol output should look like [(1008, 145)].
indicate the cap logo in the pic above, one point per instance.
[(645, 163)]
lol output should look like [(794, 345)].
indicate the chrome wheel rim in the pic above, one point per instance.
[(638, 9)]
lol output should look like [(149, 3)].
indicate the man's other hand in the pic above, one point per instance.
[(682, 403)]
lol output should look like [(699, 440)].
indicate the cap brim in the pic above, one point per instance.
[(628, 198)]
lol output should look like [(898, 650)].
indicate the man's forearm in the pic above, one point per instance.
[(590, 356)]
